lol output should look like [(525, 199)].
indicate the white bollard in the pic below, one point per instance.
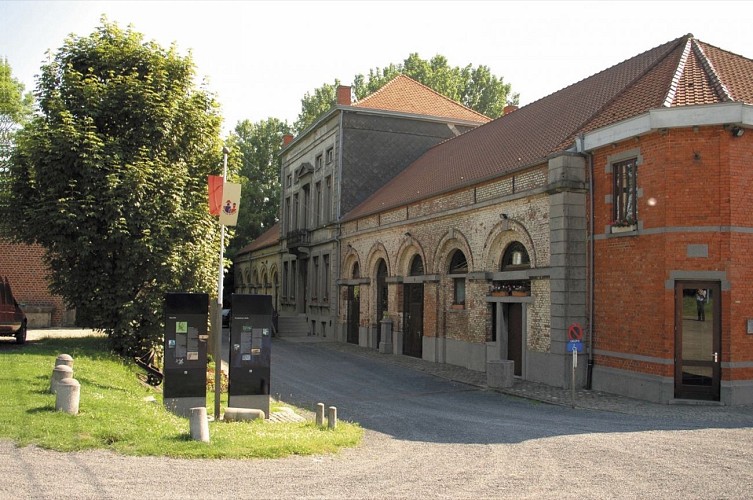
[(320, 414), (199, 424), (64, 359), (332, 417), (67, 396), (60, 372)]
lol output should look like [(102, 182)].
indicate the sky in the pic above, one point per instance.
[(260, 58)]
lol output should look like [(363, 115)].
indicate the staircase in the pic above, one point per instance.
[(292, 326)]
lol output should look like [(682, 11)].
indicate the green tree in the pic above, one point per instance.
[(257, 146), (111, 179), (476, 88), (15, 109)]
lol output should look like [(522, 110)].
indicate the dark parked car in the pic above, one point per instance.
[(12, 318), (226, 314)]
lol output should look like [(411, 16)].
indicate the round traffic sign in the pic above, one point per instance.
[(575, 332)]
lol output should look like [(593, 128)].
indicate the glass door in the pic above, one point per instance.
[(697, 340)]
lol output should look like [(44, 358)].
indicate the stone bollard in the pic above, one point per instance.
[(385, 346), (320, 414), (243, 414), (59, 373), (64, 359), (199, 424), (67, 396), (332, 417), (500, 373)]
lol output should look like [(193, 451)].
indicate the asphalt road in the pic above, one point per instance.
[(426, 437)]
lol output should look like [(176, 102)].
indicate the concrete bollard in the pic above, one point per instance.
[(68, 395), (332, 417), (60, 372), (199, 424), (320, 414), (64, 359)]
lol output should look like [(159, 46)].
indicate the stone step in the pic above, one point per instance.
[(292, 326)]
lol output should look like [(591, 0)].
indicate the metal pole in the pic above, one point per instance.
[(218, 318)]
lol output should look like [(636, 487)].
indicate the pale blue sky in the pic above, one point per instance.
[(261, 57)]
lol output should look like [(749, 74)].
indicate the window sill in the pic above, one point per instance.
[(623, 229), (457, 307)]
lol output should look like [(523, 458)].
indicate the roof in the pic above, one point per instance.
[(268, 238), (682, 72), (405, 95)]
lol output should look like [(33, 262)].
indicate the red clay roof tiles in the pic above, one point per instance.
[(268, 238), (681, 72), (405, 95)]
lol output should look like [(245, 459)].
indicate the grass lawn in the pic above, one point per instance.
[(119, 412)]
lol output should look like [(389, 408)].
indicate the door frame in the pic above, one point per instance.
[(408, 289), (712, 391), (353, 309)]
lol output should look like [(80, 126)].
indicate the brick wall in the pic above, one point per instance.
[(24, 268), (694, 189)]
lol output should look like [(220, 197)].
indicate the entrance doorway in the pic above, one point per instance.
[(413, 319), (697, 340), (354, 313), (515, 336)]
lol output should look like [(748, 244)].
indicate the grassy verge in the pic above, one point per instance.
[(120, 413)]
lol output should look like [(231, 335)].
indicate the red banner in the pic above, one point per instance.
[(215, 194)]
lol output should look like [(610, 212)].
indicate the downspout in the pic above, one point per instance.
[(589, 373), (580, 147)]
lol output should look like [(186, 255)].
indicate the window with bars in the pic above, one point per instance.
[(625, 193)]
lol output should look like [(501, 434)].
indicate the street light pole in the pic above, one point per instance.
[(218, 319)]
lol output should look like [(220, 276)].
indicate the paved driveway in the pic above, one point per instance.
[(427, 437)]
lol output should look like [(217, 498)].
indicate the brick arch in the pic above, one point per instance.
[(377, 251), (349, 260), (452, 240), (498, 239), (409, 247)]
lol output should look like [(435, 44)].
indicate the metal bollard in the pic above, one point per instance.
[(320, 414), (332, 417), (199, 424), (67, 396), (59, 373)]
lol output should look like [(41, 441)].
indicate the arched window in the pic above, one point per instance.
[(356, 270), (382, 301), (515, 257), (458, 265), (416, 266)]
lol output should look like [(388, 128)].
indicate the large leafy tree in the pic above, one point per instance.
[(256, 146), (476, 88), (111, 180), (15, 110)]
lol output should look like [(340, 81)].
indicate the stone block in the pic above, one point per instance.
[(243, 414)]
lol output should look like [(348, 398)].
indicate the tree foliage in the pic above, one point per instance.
[(111, 179), (15, 109), (256, 147), (474, 87)]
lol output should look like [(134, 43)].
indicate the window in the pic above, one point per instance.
[(306, 205), (330, 155), (318, 207), (458, 265), (515, 257), (356, 270), (325, 265), (625, 211), (294, 219), (287, 216), (290, 180), (315, 279), (318, 162), (285, 276), (382, 292), (416, 266), (327, 199)]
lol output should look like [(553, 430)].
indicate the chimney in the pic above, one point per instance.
[(287, 139), (343, 95), (509, 109)]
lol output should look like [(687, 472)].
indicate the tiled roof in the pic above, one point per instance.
[(268, 238), (681, 72), (405, 95)]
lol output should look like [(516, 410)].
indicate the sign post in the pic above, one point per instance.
[(574, 345)]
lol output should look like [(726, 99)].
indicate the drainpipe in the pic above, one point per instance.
[(589, 373)]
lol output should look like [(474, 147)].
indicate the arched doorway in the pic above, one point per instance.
[(514, 258), (381, 296), (354, 308), (413, 311)]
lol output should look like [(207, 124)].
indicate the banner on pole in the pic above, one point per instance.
[(215, 194), (231, 200)]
